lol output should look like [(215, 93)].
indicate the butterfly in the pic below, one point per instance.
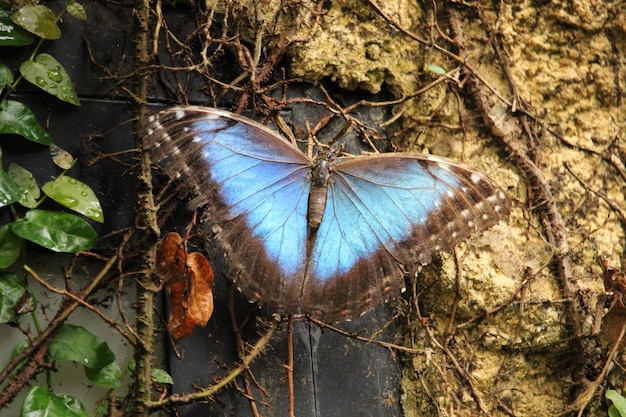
[(327, 235)]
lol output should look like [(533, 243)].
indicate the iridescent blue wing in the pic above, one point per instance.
[(255, 186), (389, 210)]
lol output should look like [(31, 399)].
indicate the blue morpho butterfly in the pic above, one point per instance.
[(324, 236)]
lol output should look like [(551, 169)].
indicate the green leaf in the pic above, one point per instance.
[(57, 231), (38, 19), (619, 402), (17, 349), (75, 195), (109, 377), (77, 344), (161, 377), (13, 35), (77, 10), (9, 190), (11, 292), (158, 375), (16, 118), (42, 403), (6, 76), (613, 412), (48, 74), (27, 185), (10, 246), (102, 409), (434, 69)]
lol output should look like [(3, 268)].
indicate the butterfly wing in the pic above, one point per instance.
[(387, 210), (255, 186)]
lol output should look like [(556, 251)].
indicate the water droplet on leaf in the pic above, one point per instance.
[(66, 200), (55, 74)]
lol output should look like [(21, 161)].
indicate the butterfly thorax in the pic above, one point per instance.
[(320, 175)]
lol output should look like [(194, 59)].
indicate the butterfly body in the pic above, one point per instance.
[(326, 235), (320, 174)]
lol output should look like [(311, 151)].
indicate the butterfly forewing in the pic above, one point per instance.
[(381, 211), (254, 185)]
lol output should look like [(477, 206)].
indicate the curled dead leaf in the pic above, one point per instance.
[(189, 281)]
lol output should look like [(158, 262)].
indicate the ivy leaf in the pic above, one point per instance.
[(18, 119), (41, 402), (77, 10), (6, 76), (159, 376), (61, 158), (9, 190), (11, 292), (11, 34), (27, 184), (77, 344), (17, 349), (75, 195), (57, 231), (38, 19), (108, 377), (434, 69), (619, 403), (10, 246), (48, 74)]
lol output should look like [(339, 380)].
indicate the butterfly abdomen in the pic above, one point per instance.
[(319, 191)]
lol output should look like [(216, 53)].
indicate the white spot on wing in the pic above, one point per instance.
[(443, 166)]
